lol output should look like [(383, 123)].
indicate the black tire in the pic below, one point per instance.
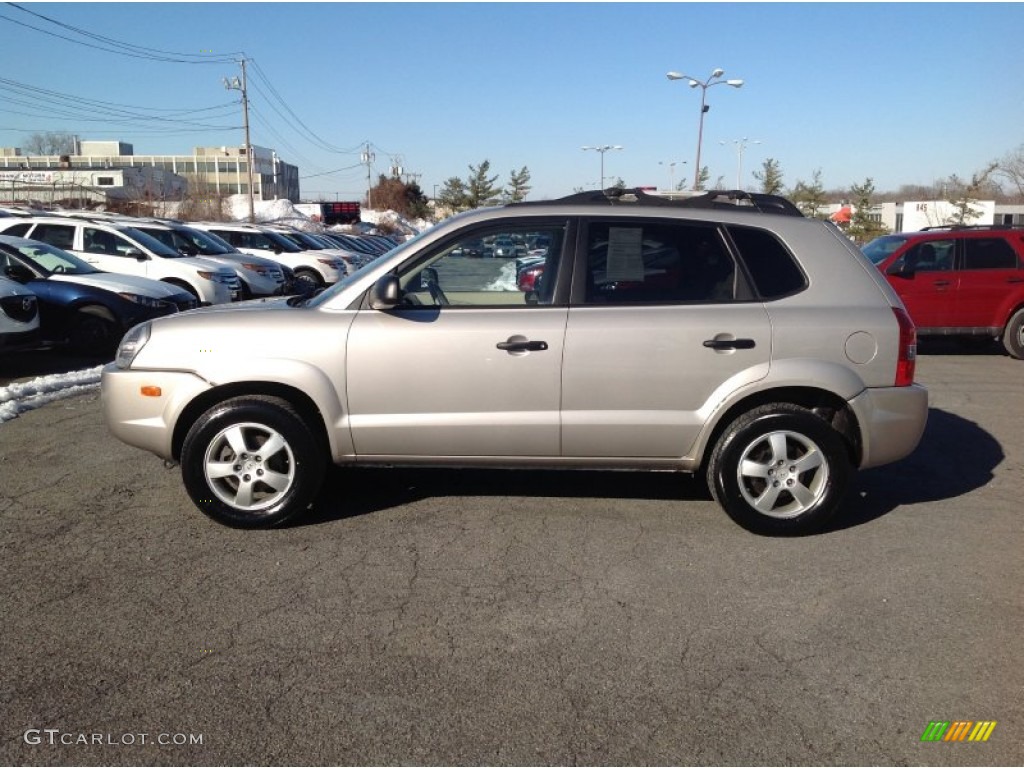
[(308, 282), (768, 493), (1013, 335), (93, 332), (235, 490)]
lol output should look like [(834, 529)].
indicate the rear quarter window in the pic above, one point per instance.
[(771, 266)]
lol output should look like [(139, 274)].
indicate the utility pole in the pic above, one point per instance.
[(367, 157), (240, 85)]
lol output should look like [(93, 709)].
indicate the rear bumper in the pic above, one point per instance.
[(892, 421)]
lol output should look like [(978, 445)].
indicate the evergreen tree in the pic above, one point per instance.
[(480, 189), (965, 195), (518, 185), (863, 227), (810, 198), (770, 177), (453, 195)]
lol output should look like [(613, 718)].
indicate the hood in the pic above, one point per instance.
[(117, 283)]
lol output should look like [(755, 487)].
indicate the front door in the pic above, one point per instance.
[(469, 364)]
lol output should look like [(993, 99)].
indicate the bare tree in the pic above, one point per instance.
[(49, 144), (1011, 171)]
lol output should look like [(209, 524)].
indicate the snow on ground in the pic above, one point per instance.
[(25, 395)]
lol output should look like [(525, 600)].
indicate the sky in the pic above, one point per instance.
[(901, 93)]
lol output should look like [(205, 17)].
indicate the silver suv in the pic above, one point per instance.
[(725, 334)]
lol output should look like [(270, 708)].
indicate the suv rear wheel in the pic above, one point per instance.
[(251, 462), (1013, 335), (779, 469)]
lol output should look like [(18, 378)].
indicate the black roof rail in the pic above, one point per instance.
[(948, 227), (721, 199)]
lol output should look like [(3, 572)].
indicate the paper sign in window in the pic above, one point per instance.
[(625, 254)]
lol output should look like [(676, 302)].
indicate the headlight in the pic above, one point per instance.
[(218, 277), (259, 269), (131, 345), (333, 263), (146, 301)]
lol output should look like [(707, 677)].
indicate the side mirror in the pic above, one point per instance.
[(385, 293), (135, 253), (902, 269), (18, 273), (188, 250)]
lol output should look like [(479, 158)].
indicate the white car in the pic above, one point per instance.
[(114, 247), (312, 268), (19, 317)]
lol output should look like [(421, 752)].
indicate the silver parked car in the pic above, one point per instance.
[(724, 334)]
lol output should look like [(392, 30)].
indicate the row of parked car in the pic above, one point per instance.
[(84, 279)]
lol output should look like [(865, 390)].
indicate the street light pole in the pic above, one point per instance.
[(741, 145), (602, 149), (671, 171), (715, 79)]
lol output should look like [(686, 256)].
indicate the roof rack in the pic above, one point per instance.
[(971, 226), (734, 199)]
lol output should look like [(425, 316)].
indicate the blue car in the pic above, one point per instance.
[(80, 305)]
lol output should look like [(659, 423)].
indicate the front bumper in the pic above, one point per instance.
[(892, 421), (146, 421)]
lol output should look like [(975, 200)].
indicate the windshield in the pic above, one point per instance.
[(303, 242), (52, 260), (204, 242), (282, 242), (150, 243), (879, 249)]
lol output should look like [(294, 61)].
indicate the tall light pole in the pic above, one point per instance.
[(715, 79), (671, 171), (741, 145), (240, 85), (602, 149)]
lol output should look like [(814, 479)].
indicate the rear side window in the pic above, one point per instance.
[(988, 253), (774, 272), (55, 234), (632, 261), (18, 230)]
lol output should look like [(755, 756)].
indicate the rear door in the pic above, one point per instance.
[(991, 280), (660, 318)]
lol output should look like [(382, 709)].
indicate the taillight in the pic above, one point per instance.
[(908, 348)]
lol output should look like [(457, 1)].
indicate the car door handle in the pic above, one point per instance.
[(1015, 279), (941, 283), (520, 344), (730, 344)]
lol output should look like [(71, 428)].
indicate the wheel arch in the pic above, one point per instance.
[(299, 400), (825, 404)]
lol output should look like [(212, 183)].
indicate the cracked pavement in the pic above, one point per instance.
[(480, 617)]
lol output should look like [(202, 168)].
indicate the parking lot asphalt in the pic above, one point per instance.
[(480, 617)]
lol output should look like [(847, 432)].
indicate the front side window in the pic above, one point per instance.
[(988, 253), (506, 267), (929, 256), (631, 262)]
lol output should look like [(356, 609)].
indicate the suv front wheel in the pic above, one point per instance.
[(779, 469), (251, 462)]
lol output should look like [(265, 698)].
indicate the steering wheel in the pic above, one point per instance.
[(59, 269), (437, 294)]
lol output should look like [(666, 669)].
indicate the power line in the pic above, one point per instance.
[(119, 47)]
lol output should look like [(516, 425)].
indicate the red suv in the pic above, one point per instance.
[(959, 281)]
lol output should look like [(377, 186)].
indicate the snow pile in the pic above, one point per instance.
[(393, 220), (24, 396), (237, 206), (506, 280)]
